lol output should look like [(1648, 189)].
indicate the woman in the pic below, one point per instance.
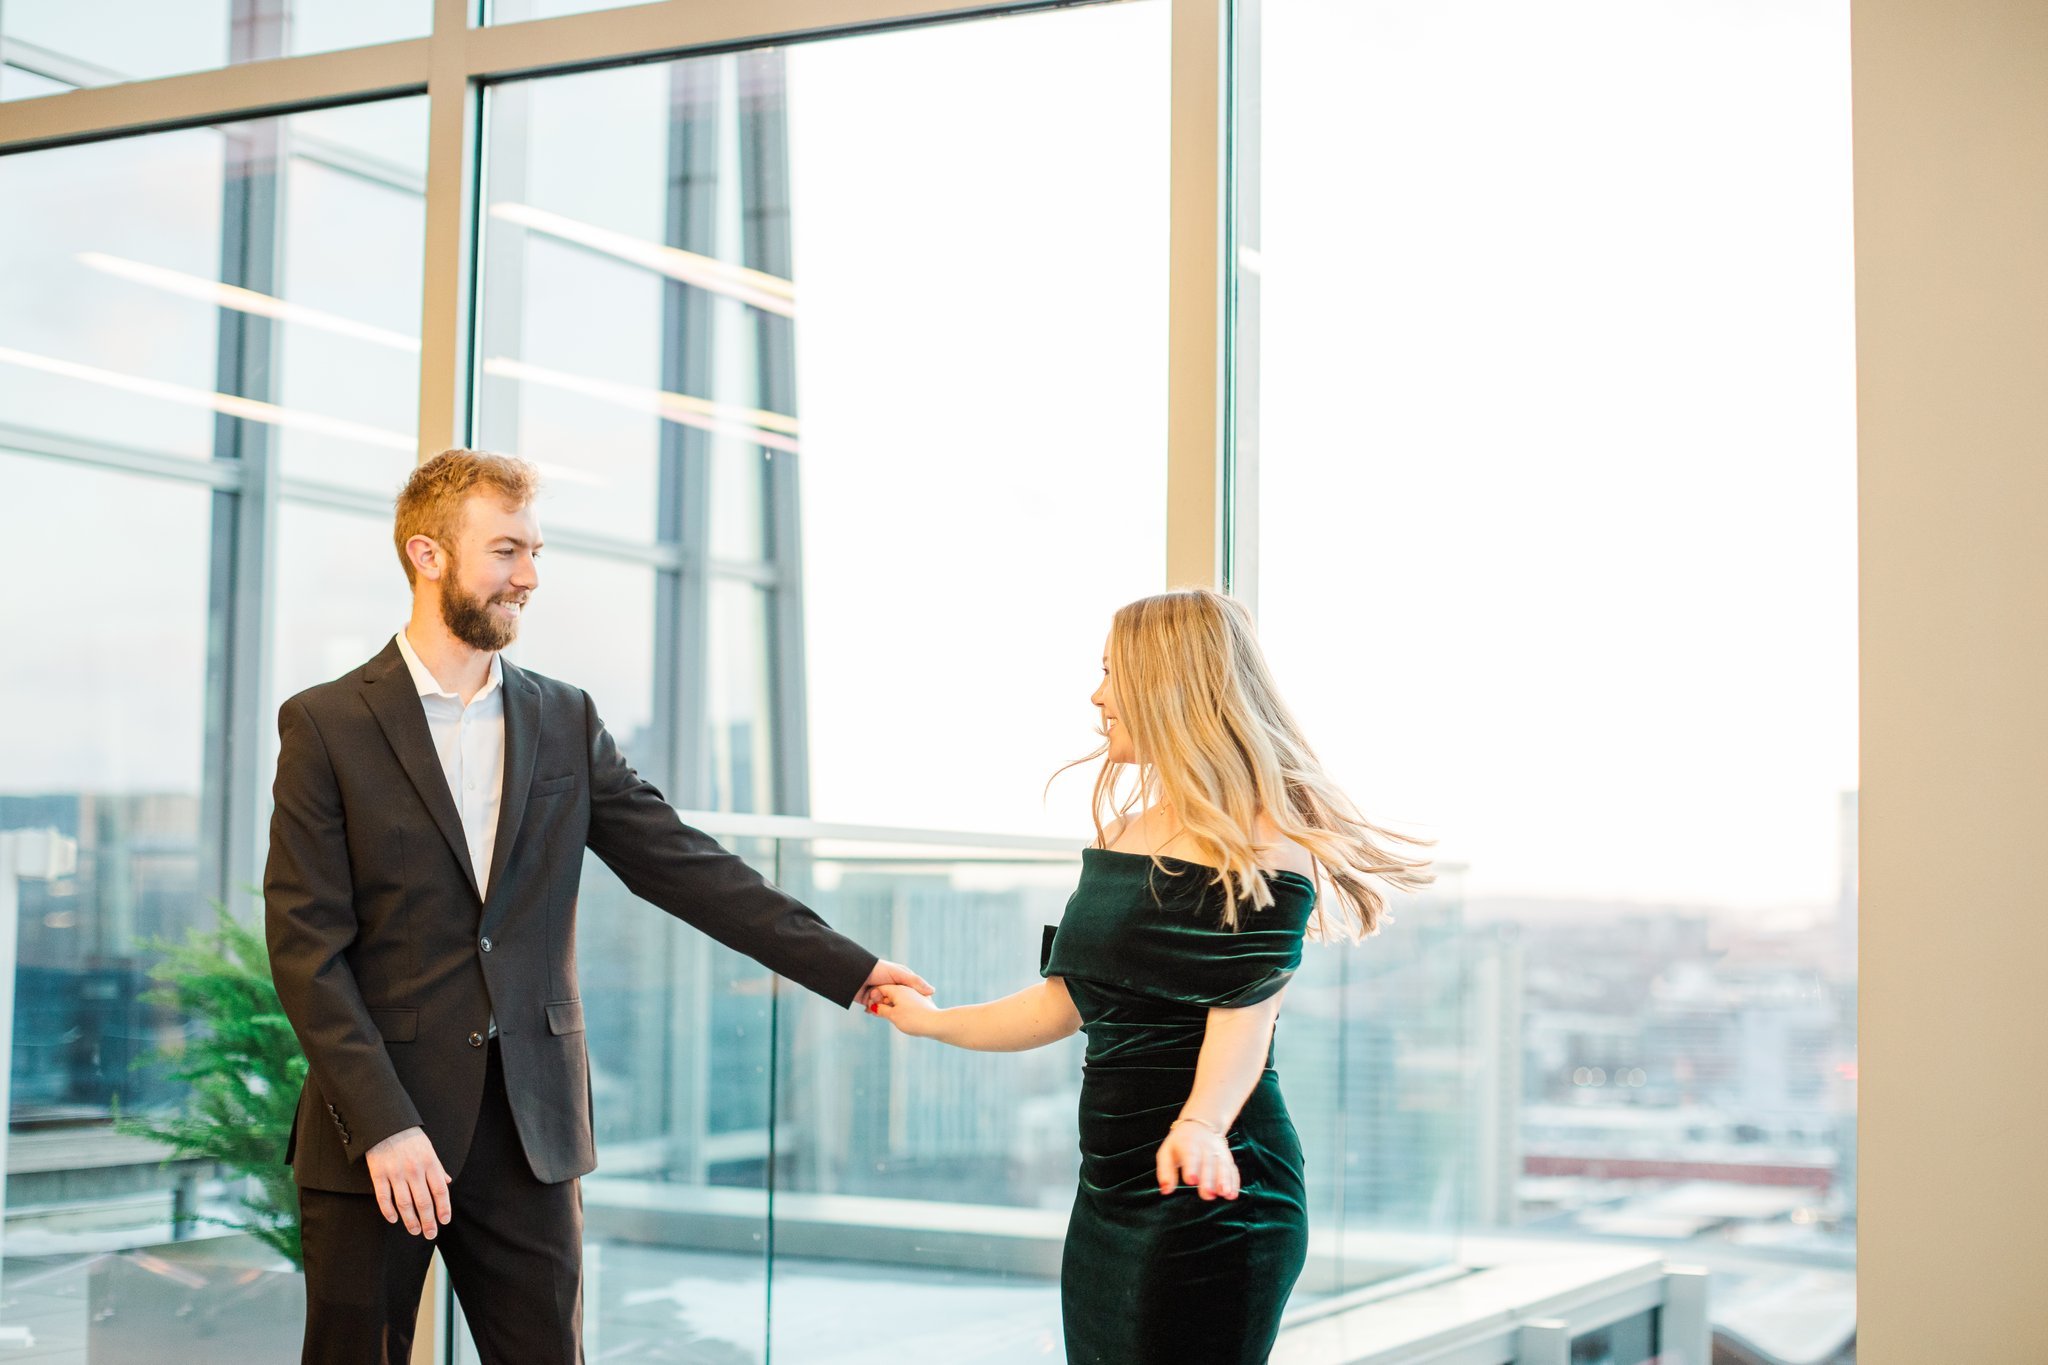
[(1174, 955)]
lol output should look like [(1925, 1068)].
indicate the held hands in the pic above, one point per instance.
[(888, 974), (909, 1011), (1196, 1154), (410, 1182)]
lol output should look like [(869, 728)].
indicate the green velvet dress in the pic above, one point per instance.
[(1146, 1278)]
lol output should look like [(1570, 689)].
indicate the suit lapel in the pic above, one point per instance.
[(387, 686), (522, 747)]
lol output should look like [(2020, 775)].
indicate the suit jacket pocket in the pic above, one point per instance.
[(566, 1016), (549, 786), (396, 1025)]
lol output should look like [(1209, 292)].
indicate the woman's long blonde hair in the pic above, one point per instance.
[(1217, 745)]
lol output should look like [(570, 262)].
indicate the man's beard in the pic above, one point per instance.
[(469, 617)]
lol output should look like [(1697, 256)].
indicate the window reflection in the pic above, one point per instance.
[(214, 293), (104, 694), (110, 41)]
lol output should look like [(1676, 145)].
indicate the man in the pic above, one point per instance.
[(432, 808)]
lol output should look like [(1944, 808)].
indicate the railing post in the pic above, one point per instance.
[(1684, 1334), (1544, 1341)]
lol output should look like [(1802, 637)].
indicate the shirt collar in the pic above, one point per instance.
[(427, 685)]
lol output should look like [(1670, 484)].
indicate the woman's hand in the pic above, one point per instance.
[(904, 1006), (1197, 1155)]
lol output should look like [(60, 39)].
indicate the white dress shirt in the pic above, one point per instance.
[(470, 741)]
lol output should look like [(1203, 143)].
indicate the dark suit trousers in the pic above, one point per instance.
[(513, 1249)]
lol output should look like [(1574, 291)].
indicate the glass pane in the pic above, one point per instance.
[(639, 343), (571, 352), (739, 720), (1374, 1051), (219, 293), (104, 686), (355, 221), (1565, 403), (739, 503), (341, 596), (110, 41), (592, 624), (982, 382), (983, 376), (933, 1183), (1632, 1341)]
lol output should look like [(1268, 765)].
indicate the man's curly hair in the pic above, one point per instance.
[(432, 500)]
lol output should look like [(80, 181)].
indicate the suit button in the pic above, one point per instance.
[(486, 945), (476, 1040)]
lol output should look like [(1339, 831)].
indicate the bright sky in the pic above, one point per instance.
[(1559, 432), (1556, 425)]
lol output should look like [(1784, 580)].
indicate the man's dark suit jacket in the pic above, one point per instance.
[(391, 967)]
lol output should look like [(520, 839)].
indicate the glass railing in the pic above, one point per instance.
[(781, 1179), (779, 1175)]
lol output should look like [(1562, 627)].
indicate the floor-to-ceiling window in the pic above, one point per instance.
[(848, 361), (208, 359), (850, 354), (1548, 448)]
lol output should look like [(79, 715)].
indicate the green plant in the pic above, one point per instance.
[(243, 1069)]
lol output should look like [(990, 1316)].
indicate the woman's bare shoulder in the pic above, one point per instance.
[(1114, 831)]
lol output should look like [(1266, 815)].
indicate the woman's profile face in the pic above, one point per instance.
[(1120, 750)]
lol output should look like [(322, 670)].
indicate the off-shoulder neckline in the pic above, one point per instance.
[(1281, 875)]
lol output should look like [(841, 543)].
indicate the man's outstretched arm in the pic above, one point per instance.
[(686, 872)]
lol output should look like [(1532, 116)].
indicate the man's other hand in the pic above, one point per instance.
[(411, 1185)]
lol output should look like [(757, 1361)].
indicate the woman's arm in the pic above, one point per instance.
[(1234, 1048), (1033, 1017)]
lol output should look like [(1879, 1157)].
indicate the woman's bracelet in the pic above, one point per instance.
[(1204, 1122)]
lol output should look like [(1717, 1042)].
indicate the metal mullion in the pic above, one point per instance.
[(244, 521), (38, 60), (688, 328), (50, 445), (674, 28), (1243, 284), (228, 94), (448, 249), (283, 85), (454, 139), (763, 111), (1195, 435), (747, 571), (361, 502)]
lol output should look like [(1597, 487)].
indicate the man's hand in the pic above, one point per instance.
[(889, 974), (410, 1183)]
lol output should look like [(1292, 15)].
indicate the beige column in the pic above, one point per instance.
[(1194, 369), (1951, 147)]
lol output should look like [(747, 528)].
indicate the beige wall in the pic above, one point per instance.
[(1951, 127)]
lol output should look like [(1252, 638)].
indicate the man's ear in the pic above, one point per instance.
[(427, 559)]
